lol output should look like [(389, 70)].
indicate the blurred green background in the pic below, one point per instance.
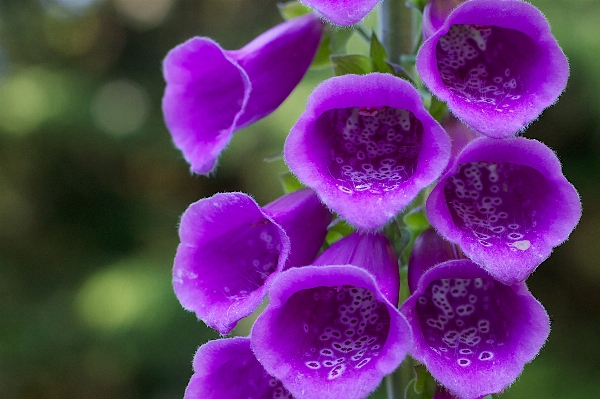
[(91, 189)]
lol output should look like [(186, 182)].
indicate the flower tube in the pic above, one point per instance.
[(473, 333), (231, 249), (496, 64), (212, 92), (227, 368), (434, 15), (367, 146), (342, 12), (329, 332), (506, 204)]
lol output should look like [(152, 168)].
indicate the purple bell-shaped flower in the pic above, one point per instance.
[(434, 15), (342, 12), (506, 204), (212, 92), (332, 330), (496, 64), (473, 333), (231, 249), (367, 146), (227, 368)]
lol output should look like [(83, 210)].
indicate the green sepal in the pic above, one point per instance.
[(337, 231), (424, 383), (398, 236), (321, 59), (416, 222), (423, 386), (399, 71), (339, 39), (351, 64), (292, 9), (438, 109), (289, 182), (379, 56), (274, 158)]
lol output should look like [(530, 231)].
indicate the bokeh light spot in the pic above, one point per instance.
[(124, 295), (120, 107), (71, 37), (30, 97), (144, 13)]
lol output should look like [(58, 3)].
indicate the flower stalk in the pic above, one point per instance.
[(396, 32)]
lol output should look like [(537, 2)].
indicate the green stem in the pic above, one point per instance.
[(395, 28), (397, 34)]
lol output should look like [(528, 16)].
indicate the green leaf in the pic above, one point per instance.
[(351, 64), (289, 183), (379, 56), (292, 9)]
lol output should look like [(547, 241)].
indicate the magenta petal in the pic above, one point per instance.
[(372, 252), (496, 64), (428, 250), (231, 250), (329, 333), (227, 368), (460, 134), (473, 333), (305, 220), (212, 92), (342, 12), (205, 94), (367, 146), (275, 63), (506, 204), (434, 15)]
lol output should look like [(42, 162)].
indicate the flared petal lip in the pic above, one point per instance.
[(224, 315), (297, 279), (201, 157), (511, 14), (500, 377), (373, 90), (209, 352), (509, 267), (342, 13)]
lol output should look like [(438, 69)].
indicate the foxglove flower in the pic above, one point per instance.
[(342, 12), (442, 393), (473, 333), (212, 92), (506, 204), (231, 249), (496, 64), (460, 134), (227, 368), (434, 15), (367, 146), (330, 331)]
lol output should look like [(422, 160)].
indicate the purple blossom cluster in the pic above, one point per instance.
[(367, 150)]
